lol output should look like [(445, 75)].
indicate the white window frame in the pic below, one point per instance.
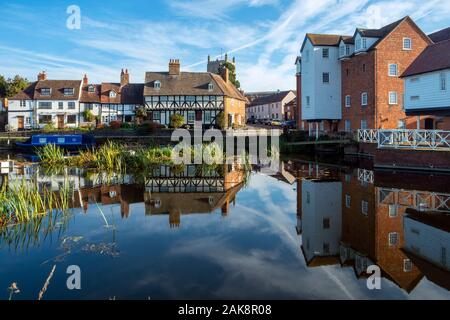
[(327, 55), (364, 99), (393, 211), (391, 237), (410, 43), (396, 70), (365, 207), (112, 94), (157, 84), (391, 102), (443, 81), (407, 265), (363, 127), (23, 103), (348, 101), (328, 77), (348, 201)]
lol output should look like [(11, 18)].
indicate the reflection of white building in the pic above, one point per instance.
[(428, 236), (321, 221)]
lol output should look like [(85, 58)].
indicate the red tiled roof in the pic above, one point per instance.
[(33, 91), (435, 57)]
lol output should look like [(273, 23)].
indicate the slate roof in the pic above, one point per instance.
[(435, 57), (274, 98), (440, 36)]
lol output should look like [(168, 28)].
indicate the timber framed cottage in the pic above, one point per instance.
[(197, 96)]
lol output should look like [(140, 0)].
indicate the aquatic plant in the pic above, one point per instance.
[(13, 289), (51, 154)]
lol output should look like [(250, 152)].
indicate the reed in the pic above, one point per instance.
[(51, 154)]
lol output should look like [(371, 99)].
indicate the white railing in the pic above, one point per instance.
[(419, 200), (406, 139), (366, 176), (367, 135)]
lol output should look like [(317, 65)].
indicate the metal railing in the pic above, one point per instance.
[(406, 139), (419, 200), (414, 139), (367, 135), (366, 176)]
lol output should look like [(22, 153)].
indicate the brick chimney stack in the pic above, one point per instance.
[(225, 74), (124, 78), (42, 76), (85, 80), (174, 67)]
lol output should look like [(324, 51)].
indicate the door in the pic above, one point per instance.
[(198, 115), (429, 124), (60, 122), (20, 123)]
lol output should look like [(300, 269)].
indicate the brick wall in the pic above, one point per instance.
[(413, 158), (237, 108)]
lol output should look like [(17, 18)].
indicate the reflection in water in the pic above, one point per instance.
[(165, 233), (359, 218)]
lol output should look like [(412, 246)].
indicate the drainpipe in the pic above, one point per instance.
[(317, 131), (418, 122)]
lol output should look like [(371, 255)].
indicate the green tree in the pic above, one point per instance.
[(16, 85), (176, 121), (88, 116), (233, 78), (221, 121), (3, 86)]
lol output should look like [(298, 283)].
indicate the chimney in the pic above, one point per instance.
[(225, 74), (124, 78), (85, 80), (174, 67), (42, 76)]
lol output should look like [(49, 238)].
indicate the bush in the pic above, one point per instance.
[(126, 125), (88, 116), (176, 121), (115, 125), (49, 127), (220, 120)]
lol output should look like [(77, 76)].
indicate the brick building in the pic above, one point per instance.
[(372, 91)]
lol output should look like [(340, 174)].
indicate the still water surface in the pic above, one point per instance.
[(308, 232)]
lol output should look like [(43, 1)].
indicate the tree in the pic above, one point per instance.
[(176, 121), (221, 121), (233, 78), (88, 116), (11, 87)]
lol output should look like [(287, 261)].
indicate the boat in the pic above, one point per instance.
[(71, 142)]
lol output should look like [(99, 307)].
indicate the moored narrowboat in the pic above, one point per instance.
[(68, 142)]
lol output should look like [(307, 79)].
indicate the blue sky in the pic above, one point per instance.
[(264, 35)]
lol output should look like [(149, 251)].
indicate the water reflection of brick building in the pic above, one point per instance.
[(375, 228)]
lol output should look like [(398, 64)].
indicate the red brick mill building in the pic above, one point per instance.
[(369, 87)]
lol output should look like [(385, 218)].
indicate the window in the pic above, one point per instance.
[(28, 120), (364, 208), (23, 103), (210, 87), (358, 44), (347, 101), (443, 81), (407, 265), (325, 53), (363, 124), (45, 105), (407, 44), (191, 117), (393, 70), (326, 223), (326, 77), (393, 97), (348, 178), (112, 94), (60, 105), (347, 72), (308, 197), (71, 119), (69, 91), (414, 98), (347, 50), (91, 89), (393, 239), (71, 105), (45, 119), (308, 101), (393, 211), (364, 98), (46, 91), (156, 115), (326, 248), (157, 84), (342, 50), (348, 126), (364, 43), (207, 117), (348, 201)]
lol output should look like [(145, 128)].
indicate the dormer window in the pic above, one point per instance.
[(157, 84), (91, 89), (210, 87), (112, 94), (69, 91), (46, 91), (358, 44), (364, 43)]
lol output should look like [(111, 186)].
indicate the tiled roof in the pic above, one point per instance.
[(274, 98), (133, 93), (90, 97), (435, 57), (189, 83), (33, 91), (324, 39), (348, 40), (441, 35), (382, 32)]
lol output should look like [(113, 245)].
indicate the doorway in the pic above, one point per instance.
[(429, 124), (20, 123), (60, 122)]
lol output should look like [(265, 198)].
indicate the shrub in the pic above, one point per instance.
[(154, 126), (176, 121), (88, 116), (220, 121), (115, 125), (49, 127)]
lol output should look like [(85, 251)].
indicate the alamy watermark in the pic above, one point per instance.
[(73, 22)]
